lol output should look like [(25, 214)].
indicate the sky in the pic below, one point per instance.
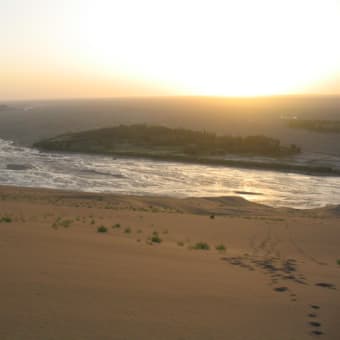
[(109, 48)]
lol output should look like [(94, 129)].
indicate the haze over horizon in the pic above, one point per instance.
[(92, 49)]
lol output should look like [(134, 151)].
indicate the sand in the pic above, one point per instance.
[(60, 279)]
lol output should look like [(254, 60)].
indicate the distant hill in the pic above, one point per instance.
[(4, 107), (323, 126)]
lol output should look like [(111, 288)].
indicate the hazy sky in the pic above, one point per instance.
[(107, 48)]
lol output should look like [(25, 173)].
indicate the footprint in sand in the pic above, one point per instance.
[(293, 297), (325, 285), (315, 324), (317, 333), (280, 289)]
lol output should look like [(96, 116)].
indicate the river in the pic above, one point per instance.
[(27, 167)]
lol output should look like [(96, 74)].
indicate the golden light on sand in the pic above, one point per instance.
[(228, 48)]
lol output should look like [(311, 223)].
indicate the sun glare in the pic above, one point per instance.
[(187, 47), (213, 48)]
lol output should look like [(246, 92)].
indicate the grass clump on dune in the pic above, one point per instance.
[(59, 222), (65, 223), (201, 246), (155, 238), (6, 219), (220, 247), (102, 229)]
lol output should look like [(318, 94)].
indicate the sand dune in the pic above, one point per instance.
[(60, 279)]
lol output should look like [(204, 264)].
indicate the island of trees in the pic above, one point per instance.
[(166, 144), (153, 140)]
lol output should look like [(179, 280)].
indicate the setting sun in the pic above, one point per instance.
[(219, 48)]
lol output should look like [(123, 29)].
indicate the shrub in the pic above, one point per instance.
[(127, 230), (116, 226), (212, 216), (6, 219), (155, 238), (102, 229), (180, 243), (65, 223), (338, 262), (201, 246), (59, 222), (220, 247)]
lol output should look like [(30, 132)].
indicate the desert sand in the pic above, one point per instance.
[(278, 277)]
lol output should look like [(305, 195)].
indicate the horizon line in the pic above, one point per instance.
[(170, 97)]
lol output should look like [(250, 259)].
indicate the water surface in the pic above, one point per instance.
[(93, 173)]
